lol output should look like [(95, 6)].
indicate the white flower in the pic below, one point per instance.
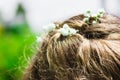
[(49, 27), (99, 15), (65, 26), (66, 30), (63, 31), (87, 15), (94, 22), (72, 31), (86, 19), (39, 39), (94, 15), (101, 11), (88, 11)]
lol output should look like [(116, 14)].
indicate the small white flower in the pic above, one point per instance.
[(94, 15), (66, 30), (65, 26), (87, 15), (94, 22), (39, 39), (88, 12), (99, 15), (72, 31), (63, 31), (86, 19), (101, 11), (49, 27)]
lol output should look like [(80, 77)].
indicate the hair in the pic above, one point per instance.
[(93, 53)]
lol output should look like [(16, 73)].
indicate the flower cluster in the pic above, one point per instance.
[(66, 30), (46, 29), (49, 27), (93, 18)]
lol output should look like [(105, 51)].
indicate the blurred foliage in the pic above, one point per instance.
[(20, 9), (17, 45), (15, 49)]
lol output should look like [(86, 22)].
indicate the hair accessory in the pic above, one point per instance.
[(49, 27), (39, 39), (93, 18), (66, 30), (46, 29)]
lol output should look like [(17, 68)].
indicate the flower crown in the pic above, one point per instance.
[(66, 30)]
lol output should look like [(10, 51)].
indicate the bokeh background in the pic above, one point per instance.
[(22, 20)]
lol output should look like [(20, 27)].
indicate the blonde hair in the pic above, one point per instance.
[(93, 53)]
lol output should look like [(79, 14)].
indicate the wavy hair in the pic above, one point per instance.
[(93, 53)]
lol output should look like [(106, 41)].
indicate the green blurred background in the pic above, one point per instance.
[(17, 45)]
